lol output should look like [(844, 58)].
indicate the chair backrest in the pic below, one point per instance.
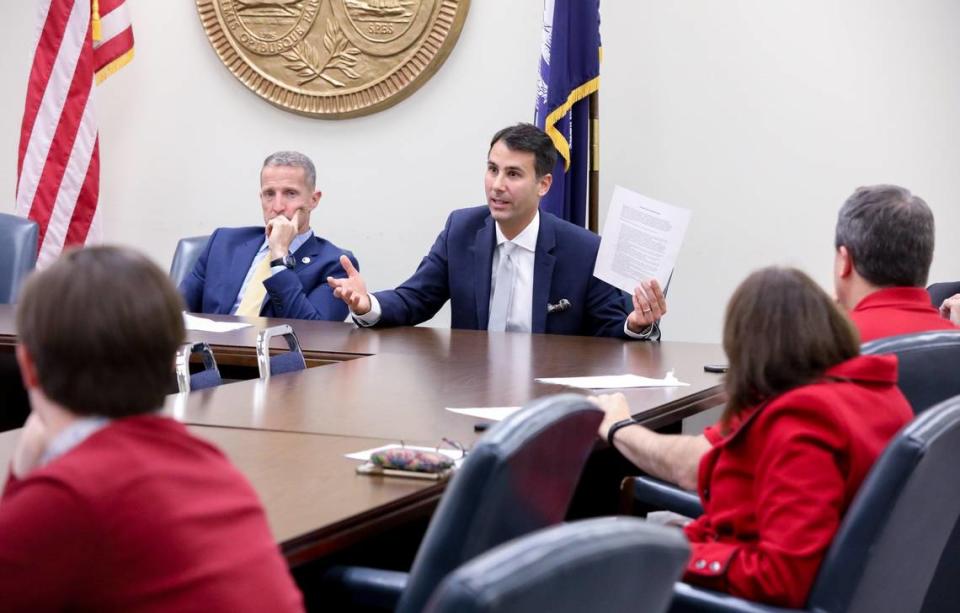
[(185, 257), (208, 377), (886, 551), (18, 254), (614, 565), (518, 478), (941, 291), (929, 369), (289, 361)]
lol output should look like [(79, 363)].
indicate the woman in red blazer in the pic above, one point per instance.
[(805, 419)]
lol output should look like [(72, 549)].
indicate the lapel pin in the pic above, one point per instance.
[(305, 260)]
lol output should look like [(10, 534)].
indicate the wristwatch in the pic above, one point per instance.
[(623, 423), (287, 261)]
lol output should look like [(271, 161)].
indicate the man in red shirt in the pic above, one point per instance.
[(884, 242), (109, 505)]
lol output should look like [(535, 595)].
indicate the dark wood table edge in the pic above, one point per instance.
[(339, 536), (242, 355), (677, 410)]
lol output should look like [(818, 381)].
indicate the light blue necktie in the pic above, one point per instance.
[(503, 289)]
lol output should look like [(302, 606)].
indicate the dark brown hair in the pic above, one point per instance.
[(780, 331), (529, 138), (102, 326)]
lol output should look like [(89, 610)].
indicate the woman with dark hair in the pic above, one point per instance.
[(806, 418)]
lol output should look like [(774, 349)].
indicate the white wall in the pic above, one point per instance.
[(760, 115)]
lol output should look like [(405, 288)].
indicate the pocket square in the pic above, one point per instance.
[(559, 307)]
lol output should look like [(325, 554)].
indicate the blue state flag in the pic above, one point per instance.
[(569, 73)]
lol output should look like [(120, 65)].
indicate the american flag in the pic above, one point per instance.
[(79, 43)]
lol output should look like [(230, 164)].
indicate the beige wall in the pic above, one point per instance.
[(761, 116)]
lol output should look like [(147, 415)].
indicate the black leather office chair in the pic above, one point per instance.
[(185, 257), (18, 254), (929, 365), (208, 377), (886, 552), (648, 493), (614, 565), (289, 361), (518, 478), (941, 291), (928, 373)]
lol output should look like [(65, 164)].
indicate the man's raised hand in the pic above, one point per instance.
[(352, 290)]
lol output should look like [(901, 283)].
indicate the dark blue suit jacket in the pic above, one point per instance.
[(301, 293), (458, 268)]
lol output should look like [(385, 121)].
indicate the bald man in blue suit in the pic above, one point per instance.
[(551, 288), (280, 269)]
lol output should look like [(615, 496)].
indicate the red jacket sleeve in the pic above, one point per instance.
[(798, 492), (712, 434), (45, 544)]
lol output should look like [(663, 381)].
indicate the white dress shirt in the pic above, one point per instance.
[(521, 308)]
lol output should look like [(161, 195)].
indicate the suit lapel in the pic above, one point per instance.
[(543, 263), (310, 249), (243, 256), (483, 247)]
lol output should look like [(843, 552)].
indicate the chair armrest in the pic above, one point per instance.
[(690, 599), (370, 588), (658, 494)]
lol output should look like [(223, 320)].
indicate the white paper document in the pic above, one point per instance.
[(615, 381), (491, 413), (364, 456), (641, 240), (202, 324)]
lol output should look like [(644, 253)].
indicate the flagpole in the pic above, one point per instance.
[(593, 180)]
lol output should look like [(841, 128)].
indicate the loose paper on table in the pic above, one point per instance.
[(202, 324), (491, 413), (615, 381), (641, 240)]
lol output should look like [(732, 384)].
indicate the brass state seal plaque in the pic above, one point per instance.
[(333, 58)]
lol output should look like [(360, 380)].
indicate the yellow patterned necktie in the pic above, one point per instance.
[(252, 300)]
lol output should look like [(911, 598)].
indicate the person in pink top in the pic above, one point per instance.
[(884, 243), (109, 505)]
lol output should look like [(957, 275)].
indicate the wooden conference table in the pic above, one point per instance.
[(372, 387)]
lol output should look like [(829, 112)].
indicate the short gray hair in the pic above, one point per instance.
[(889, 233), (295, 159)]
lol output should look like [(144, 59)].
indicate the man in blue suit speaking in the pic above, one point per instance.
[(508, 266), (277, 270)]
